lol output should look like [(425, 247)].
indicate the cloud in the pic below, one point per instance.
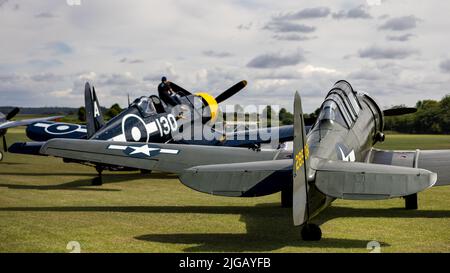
[(45, 15), (275, 60), (132, 61), (284, 26), (245, 26), (400, 38), (118, 79), (366, 74), (308, 13), (15, 6), (359, 12), (375, 52), (292, 37), (400, 23), (59, 48), (38, 63), (168, 71), (445, 66), (216, 54), (47, 77), (11, 78)]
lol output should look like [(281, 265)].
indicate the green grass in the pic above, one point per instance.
[(64, 118), (45, 203)]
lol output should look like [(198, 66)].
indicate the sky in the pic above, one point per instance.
[(395, 50)]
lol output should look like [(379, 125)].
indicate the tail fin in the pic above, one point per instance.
[(94, 116), (300, 166)]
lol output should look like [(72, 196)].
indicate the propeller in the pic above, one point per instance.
[(179, 89), (220, 98), (399, 111), (12, 114), (231, 91), (9, 116)]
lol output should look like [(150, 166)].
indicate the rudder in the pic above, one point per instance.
[(94, 115)]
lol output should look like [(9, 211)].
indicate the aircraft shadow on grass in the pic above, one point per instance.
[(81, 184), (268, 226)]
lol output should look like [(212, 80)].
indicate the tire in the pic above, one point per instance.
[(311, 232), (286, 198), (97, 181), (411, 202)]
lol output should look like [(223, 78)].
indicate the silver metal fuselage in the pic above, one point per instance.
[(330, 140)]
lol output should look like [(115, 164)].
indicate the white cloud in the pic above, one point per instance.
[(52, 49)]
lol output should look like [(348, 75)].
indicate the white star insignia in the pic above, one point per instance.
[(144, 149)]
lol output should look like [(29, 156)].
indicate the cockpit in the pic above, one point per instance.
[(341, 105), (149, 105)]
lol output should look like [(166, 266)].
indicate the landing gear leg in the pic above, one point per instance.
[(286, 197), (311, 232), (411, 202), (98, 181), (146, 171)]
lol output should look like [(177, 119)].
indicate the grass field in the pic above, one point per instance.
[(45, 203)]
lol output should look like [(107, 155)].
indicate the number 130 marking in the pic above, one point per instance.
[(166, 125)]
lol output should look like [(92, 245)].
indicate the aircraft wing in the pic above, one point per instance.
[(437, 161), (11, 124), (174, 158)]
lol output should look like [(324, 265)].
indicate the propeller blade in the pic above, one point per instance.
[(5, 146), (399, 111), (231, 91), (12, 114), (178, 89)]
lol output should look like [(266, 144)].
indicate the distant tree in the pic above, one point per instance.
[(82, 114), (113, 111), (267, 115), (432, 117), (445, 114), (286, 118), (238, 110)]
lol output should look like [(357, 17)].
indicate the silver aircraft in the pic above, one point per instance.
[(336, 159), (6, 123)]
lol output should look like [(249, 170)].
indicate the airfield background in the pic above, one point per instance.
[(432, 117), (45, 204)]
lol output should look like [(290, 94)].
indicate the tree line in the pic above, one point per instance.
[(432, 117)]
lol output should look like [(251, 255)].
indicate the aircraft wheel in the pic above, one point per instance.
[(311, 232), (146, 171), (97, 181), (1, 156), (286, 198), (411, 202)]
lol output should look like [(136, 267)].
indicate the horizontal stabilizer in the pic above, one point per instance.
[(25, 122), (27, 148), (365, 181), (240, 179)]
